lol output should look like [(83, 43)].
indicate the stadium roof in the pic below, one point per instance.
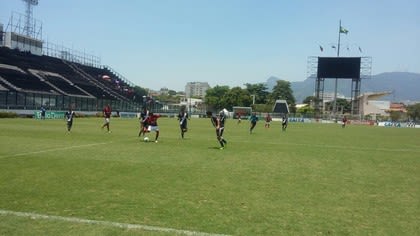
[(375, 95)]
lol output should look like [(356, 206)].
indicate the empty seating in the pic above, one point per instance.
[(79, 80), (24, 81)]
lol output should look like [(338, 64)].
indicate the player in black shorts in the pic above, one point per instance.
[(284, 122), (219, 123), (69, 117), (182, 118), (144, 115)]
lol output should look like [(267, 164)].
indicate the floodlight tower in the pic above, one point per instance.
[(28, 16)]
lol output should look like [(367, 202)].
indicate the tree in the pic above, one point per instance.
[(342, 104), (139, 92), (172, 92), (306, 110), (259, 91), (395, 115), (309, 100), (413, 111), (282, 90), (237, 97), (167, 98), (214, 97)]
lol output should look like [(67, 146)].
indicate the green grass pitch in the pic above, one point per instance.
[(313, 179)]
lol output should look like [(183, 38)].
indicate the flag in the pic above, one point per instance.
[(321, 48), (342, 30)]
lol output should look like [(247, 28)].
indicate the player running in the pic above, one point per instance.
[(219, 123), (152, 124), (284, 122), (144, 115), (182, 118), (70, 114), (253, 118)]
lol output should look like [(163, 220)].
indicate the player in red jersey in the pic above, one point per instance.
[(107, 111), (153, 126), (344, 122), (268, 120)]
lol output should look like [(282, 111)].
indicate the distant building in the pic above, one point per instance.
[(370, 105), (193, 105), (399, 107), (164, 91), (328, 97), (196, 89)]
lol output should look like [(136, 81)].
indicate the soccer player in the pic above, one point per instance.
[(219, 123), (182, 118), (268, 120), (253, 118), (144, 115), (43, 112), (69, 116), (284, 122), (107, 111), (344, 122), (153, 126)]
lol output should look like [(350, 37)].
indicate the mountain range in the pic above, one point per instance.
[(404, 86)]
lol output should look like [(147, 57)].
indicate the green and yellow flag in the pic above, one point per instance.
[(342, 30)]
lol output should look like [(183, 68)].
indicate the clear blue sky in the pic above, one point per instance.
[(167, 43)]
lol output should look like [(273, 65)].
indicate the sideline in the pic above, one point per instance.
[(105, 223)]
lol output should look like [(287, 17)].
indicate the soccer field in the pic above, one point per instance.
[(313, 179)]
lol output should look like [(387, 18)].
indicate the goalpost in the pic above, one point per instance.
[(242, 112)]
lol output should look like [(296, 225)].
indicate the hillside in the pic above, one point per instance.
[(405, 86)]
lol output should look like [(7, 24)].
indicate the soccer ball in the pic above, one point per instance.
[(146, 139)]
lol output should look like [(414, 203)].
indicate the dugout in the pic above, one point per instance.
[(281, 107)]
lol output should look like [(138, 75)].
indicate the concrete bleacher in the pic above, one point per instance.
[(63, 85), (53, 75), (22, 81), (107, 78)]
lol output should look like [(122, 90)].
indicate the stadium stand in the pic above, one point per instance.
[(20, 80), (281, 107), (24, 72)]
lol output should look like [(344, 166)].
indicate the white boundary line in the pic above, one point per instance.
[(105, 223), (54, 149)]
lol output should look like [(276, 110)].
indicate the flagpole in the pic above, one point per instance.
[(336, 79), (339, 33)]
